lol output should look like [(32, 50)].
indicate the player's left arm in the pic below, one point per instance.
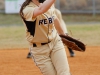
[(58, 26), (59, 16)]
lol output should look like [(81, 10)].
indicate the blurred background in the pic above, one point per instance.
[(66, 6), (79, 6), (82, 18)]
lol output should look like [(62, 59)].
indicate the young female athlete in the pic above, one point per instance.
[(59, 16), (46, 46)]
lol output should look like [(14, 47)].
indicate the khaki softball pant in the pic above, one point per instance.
[(51, 58)]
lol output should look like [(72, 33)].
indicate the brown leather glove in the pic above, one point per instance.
[(73, 43)]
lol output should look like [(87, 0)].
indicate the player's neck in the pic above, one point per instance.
[(36, 2)]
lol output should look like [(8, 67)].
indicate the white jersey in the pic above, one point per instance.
[(39, 29)]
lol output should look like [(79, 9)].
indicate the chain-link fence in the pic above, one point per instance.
[(71, 6), (79, 6)]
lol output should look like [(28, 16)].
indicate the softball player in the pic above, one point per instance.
[(59, 16), (47, 49)]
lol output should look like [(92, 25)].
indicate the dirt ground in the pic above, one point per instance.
[(14, 62)]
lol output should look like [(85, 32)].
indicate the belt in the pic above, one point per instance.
[(35, 45)]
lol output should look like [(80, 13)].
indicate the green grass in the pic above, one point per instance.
[(12, 32), (89, 34), (14, 36), (81, 18), (14, 19), (10, 19)]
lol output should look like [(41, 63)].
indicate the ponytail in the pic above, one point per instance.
[(23, 6)]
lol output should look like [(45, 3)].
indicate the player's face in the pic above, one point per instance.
[(41, 1)]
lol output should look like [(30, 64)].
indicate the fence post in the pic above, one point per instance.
[(94, 8), (58, 4)]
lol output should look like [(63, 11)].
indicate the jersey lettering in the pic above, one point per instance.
[(50, 20), (44, 21), (40, 22)]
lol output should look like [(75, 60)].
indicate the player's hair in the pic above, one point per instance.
[(23, 6)]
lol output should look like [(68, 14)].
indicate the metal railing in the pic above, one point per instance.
[(76, 6), (79, 6)]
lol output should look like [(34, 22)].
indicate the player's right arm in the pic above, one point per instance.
[(43, 7)]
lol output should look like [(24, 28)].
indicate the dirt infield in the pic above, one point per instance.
[(14, 62)]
